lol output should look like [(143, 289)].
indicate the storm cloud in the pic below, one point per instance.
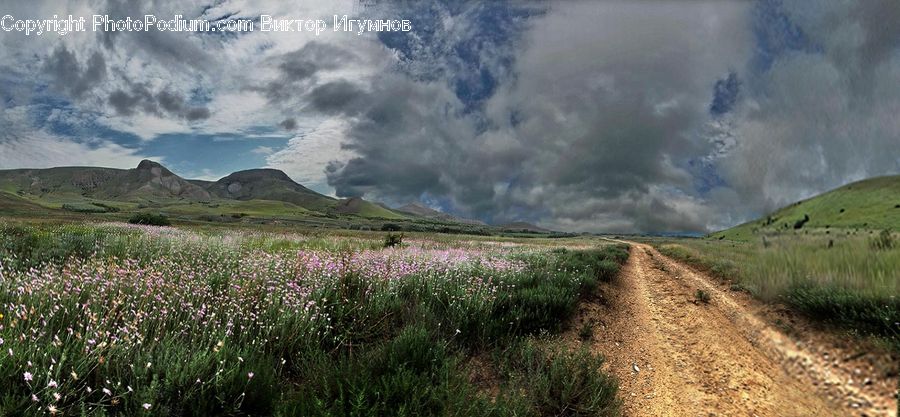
[(650, 116), (646, 116), (823, 113), (585, 132)]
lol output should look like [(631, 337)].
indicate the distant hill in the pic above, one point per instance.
[(253, 196), (151, 185), (149, 180), (268, 184), (523, 227), (419, 210), (358, 206), (868, 204), (12, 204)]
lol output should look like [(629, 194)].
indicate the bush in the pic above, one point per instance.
[(884, 241), (393, 239), (587, 331), (702, 296), (150, 219), (602, 264), (547, 294), (562, 383), (800, 223), (412, 374), (90, 208)]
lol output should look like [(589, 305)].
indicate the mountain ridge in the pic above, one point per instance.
[(261, 193), (152, 183)]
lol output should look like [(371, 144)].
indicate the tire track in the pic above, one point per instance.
[(676, 356)]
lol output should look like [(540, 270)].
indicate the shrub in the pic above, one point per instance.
[(563, 383), (884, 241), (150, 219), (587, 331), (79, 208), (393, 239), (702, 296), (107, 207), (411, 374), (800, 223), (602, 264)]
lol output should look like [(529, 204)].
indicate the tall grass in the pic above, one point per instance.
[(844, 280), (115, 320)]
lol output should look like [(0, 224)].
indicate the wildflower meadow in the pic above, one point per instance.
[(114, 319)]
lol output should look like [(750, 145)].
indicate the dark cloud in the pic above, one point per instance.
[(196, 113), (335, 97), (123, 103), (169, 48), (820, 116), (587, 135), (164, 103), (298, 69), (633, 116), (308, 60), (70, 76), (288, 124)]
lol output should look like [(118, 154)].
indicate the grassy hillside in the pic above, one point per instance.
[(360, 207), (268, 184), (418, 210), (259, 193), (256, 196), (872, 204), (12, 205)]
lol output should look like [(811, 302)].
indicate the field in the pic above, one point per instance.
[(116, 319), (850, 280)]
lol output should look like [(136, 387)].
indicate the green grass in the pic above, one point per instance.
[(362, 208), (387, 347), (865, 205), (846, 281)]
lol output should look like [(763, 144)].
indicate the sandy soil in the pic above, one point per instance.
[(676, 356)]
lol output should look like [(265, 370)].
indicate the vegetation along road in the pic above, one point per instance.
[(683, 345)]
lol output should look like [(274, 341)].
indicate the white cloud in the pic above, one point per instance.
[(306, 156)]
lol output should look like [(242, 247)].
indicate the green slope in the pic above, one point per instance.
[(256, 208), (268, 184), (868, 204), (149, 181), (359, 207), (14, 205), (261, 193)]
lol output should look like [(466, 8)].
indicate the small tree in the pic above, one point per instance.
[(393, 239)]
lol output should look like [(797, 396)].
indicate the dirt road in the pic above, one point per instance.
[(677, 356)]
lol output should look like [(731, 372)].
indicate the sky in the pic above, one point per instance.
[(597, 116)]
